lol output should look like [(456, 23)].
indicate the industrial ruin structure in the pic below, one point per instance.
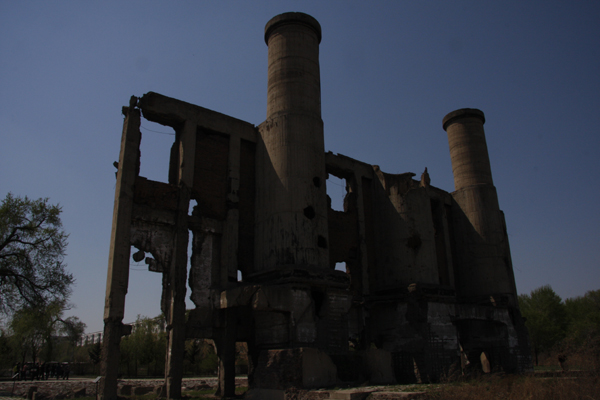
[(429, 281)]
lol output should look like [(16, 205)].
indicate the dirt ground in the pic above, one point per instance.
[(62, 389), (85, 387)]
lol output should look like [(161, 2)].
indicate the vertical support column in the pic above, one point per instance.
[(487, 271), (178, 268), (226, 353), (229, 250), (231, 226), (447, 245), (176, 317), (118, 261), (291, 198), (356, 187), (187, 153)]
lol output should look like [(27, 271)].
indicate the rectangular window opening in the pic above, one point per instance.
[(336, 190), (155, 150), (341, 266)]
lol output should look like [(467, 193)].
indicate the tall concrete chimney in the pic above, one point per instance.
[(291, 198), (468, 149), (484, 255)]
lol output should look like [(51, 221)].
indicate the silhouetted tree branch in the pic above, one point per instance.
[(32, 250)]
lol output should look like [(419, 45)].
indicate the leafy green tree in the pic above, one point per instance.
[(34, 331), (73, 329), (584, 317), (95, 353), (210, 362), (193, 348), (7, 358), (145, 346), (32, 250), (583, 334), (128, 355), (146, 333), (200, 357), (545, 318), (28, 326)]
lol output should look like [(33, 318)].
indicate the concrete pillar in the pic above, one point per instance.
[(291, 199), (485, 268), (178, 269), (229, 254), (225, 343), (118, 260), (176, 301)]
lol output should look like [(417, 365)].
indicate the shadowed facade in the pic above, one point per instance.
[(428, 283)]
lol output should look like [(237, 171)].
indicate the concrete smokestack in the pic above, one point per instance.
[(294, 77), (468, 149), (291, 199), (484, 254)]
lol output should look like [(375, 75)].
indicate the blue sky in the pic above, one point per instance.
[(390, 71)]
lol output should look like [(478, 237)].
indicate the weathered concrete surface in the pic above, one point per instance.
[(291, 205), (176, 300), (428, 279), (380, 367), (118, 260), (483, 245), (300, 368), (351, 394)]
